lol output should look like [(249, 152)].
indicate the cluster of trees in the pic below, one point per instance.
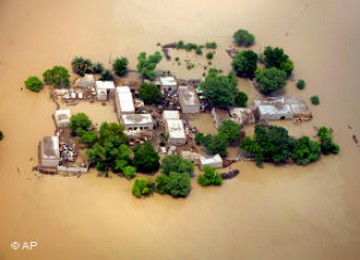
[(58, 76), (210, 177), (326, 141), (150, 93), (142, 187), (244, 63), (193, 46), (33, 83), (273, 144), (147, 64), (244, 38)]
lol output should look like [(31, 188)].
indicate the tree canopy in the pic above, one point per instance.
[(142, 187), (146, 159), (241, 99), (107, 75), (58, 76), (175, 163), (230, 130), (149, 93), (326, 141), (1, 135), (210, 177), (120, 66), (175, 184), (217, 144), (276, 57), (270, 80), (81, 65), (244, 63), (219, 89), (79, 122), (244, 38), (305, 151), (34, 84), (147, 65)]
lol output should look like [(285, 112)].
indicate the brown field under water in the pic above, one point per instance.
[(287, 212)]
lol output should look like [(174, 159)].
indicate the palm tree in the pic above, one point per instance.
[(81, 65), (107, 75)]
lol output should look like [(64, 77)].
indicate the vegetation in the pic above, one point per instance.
[(217, 144), (198, 51), (219, 89), (1, 135), (211, 45), (301, 84), (142, 187), (326, 141), (230, 130), (175, 163), (244, 63), (79, 123), (175, 184), (81, 65), (146, 159), (120, 66), (89, 138), (270, 80), (58, 76), (210, 177), (210, 55), (129, 172), (34, 84), (276, 57), (147, 65), (315, 100), (244, 38), (97, 68), (186, 46), (107, 75), (305, 151), (150, 93), (241, 99)]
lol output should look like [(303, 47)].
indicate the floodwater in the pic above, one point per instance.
[(273, 213)]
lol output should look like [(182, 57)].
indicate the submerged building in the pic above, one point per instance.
[(62, 118), (167, 84), (216, 162), (50, 151), (188, 99)]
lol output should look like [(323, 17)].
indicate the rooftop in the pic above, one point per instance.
[(188, 95), (175, 128), (62, 115), (282, 105), (215, 159), (169, 114), (104, 85), (123, 89), (136, 119), (168, 81), (125, 99), (50, 147)]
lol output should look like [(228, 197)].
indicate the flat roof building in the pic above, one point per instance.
[(137, 121), (62, 118), (242, 116), (124, 101), (175, 128), (188, 99), (215, 162), (103, 89), (87, 81), (50, 151), (167, 84), (170, 114), (219, 116)]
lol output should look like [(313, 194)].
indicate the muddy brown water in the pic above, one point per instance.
[(287, 212)]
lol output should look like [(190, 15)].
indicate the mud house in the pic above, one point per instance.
[(124, 102), (62, 118), (188, 99), (167, 84), (104, 89), (215, 162), (219, 116), (87, 81), (50, 152), (137, 121), (242, 116), (175, 128)]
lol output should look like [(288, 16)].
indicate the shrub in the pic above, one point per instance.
[(149, 93), (230, 130), (198, 51), (129, 172), (244, 63), (179, 184), (210, 55), (120, 66), (107, 75), (271, 80), (210, 177), (79, 123), (315, 100), (142, 187), (276, 57), (175, 163), (326, 142), (241, 99), (1, 135), (211, 45), (244, 38), (34, 84), (146, 159), (301, 84), (81, 65), (98, 68), (147, 65), (58, 76)]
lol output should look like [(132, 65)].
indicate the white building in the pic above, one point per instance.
[(169, 114), (188, 99), (62, 118), (124, 101), (215, 162), (175, 128), (104, 89), (272, 109), (137, 121), (167, 84), (88, 81), (50, 151)]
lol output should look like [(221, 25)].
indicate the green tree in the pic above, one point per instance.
[(276, 57), (175, 163), (211, 45), (81, 65), (179, 184), (129, 172), (301, 84), (244, 63), (230, 130), (58, 76), (142, 187), (96, 154), (88, 138), (34, 84), (97, 68), (120, 66), (210, 55), (113, 132), (107, 75), (210, 177), (1, 135), (270, 80), (162, 182), (315, 100), (305, 151), (217, 144), (244, 38), (147, 65), (326, 141), (79, 123), (150, 93), (219, 89), (241, 99), (146, 159)]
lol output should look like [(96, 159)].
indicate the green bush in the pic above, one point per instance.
[(129, 172), (276, 57), (230, 130), (107, 75), (81, 65), (147, 65), (198, 51), (301, 84), (244, 38), (244, 63), (210, 177), (270, 80), (149, 93), (175, 163), (120, 66), (98, 68), (89, 138), (315, 100), (79, 123), (326, 142), (1, 135), (241, 99), (210, 55), (142, 187), (34, 84), (58, 76), (211, 45), (217, 144)]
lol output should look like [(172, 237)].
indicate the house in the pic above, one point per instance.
[(175, 128), (50, 152), (191, 156), (124, 102), (219, 116), (137, 121), (62, 118), (167, 84), (104, 89), (188, 99), (87, 81), (215, 162), (299, 108), (169, 114), (242, 116)]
